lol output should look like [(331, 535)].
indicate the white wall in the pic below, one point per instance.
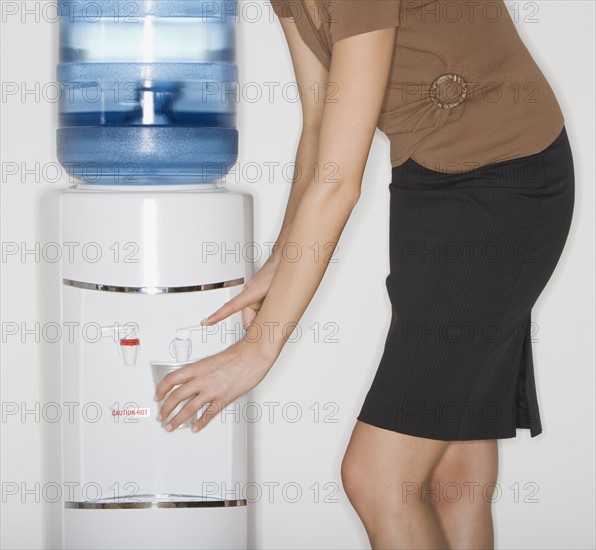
[(329, 377)]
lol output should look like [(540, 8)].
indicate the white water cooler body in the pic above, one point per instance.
[(145, 266)]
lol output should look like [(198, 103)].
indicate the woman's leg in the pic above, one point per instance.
[(463, 482), (385, 475)]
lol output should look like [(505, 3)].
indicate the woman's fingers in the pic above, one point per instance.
[(172, 379), (245, 298), (181, 393), (186, 412), (249, 313)]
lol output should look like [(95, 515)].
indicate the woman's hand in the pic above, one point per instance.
[(217, 380), (249, 300), (220, 379)]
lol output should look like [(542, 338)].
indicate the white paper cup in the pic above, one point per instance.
[(161, 369)]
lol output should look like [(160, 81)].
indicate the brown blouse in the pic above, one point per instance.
[(463, 90)]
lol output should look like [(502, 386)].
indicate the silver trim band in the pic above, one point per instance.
[(152, 289), (156, 504)]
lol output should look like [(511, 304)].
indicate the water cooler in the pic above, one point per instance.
[(155, 243)]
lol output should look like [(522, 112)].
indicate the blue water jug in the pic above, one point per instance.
[(149, 90)]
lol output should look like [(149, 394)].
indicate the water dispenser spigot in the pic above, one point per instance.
[(185, 331), (128, 348), (181, 345)]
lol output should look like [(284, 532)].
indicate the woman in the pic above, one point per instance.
[(481, 201)]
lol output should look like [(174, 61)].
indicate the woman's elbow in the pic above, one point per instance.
[(342, 194), (311, 124), (352, 194)]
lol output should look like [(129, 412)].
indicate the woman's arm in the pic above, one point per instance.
[(311, 77), (360, 67)]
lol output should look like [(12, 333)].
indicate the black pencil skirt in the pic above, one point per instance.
[(470, 253)]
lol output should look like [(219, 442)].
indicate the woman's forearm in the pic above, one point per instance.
[(306, 158), (319, 221), (258, 285)]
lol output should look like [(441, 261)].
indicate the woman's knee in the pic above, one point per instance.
[(353, 475), (379, 465), (368, 484)]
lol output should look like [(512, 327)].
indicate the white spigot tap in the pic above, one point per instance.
[(181, 345), (129, 346), (184, 333), (117, 329)]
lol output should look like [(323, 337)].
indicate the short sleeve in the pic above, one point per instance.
[(351, 17), (278, 6)]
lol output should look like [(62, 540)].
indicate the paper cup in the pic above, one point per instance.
[(161, 369)]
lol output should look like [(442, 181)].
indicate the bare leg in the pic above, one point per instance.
[(384, 473), (464, 481)]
